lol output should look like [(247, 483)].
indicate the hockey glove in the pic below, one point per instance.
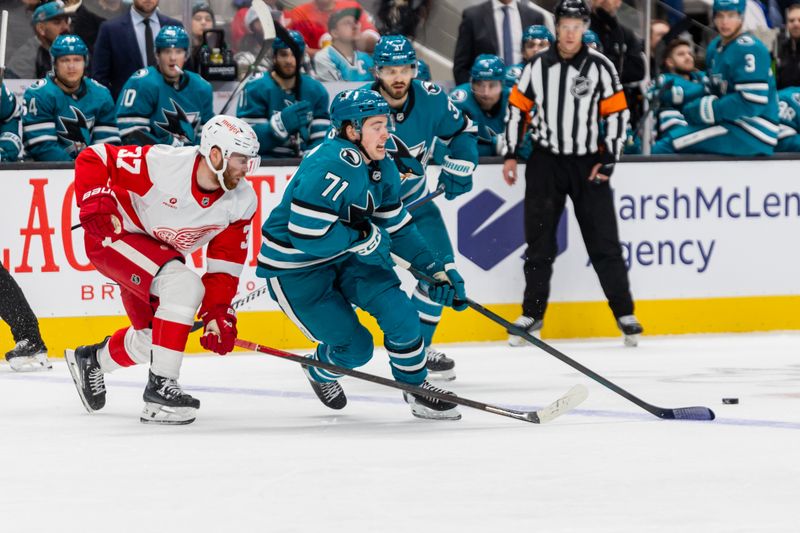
[(219, 334), (456, 177), (99, 213), (700, 111), (373, 246), (449, 287), (293, 119)]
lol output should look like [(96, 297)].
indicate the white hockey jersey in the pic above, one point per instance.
[(157, 194)]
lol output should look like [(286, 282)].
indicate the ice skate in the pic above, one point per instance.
[(87, 375), (631, 330), (166, 403), (531, 325), (330, 393), (439, 365), (28, 356), (431, 408)]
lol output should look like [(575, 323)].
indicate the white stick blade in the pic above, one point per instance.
[(566, 403), (265, 16)]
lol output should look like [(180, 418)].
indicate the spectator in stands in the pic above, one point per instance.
[(534, 39), (238, 27), (85, 23), (340, 61), (484, 100), (311, 20), (740, 115), (32, 59), (402, 17), (66, 112), (658, 30), (125, 44), (492, 27), (787, 71), (20, 13), (106, 9), (10, 113), (623, 48), (202, 20)]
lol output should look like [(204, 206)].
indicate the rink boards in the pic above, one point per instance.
[(711, 246)]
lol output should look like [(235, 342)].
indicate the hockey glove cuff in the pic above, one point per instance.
[(456, 177), (225, 319), (98, 215), (373, 246), (294, 118), (448, 289), (701, 111)]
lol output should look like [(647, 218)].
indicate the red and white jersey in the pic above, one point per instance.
[(157, 194)]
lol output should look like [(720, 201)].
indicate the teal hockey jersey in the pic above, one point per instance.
[(162, 113), (333, 191), (262, 97), (490, 125), (10, 113), (56, 126)]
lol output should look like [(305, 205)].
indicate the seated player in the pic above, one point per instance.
[(326, 248), (66, 111), (681, 84), (165, 104), (10, 113), (288, 112), (590, 38), (484, 100), (789, 134), (143, 210), (341, 61), (535, 39)]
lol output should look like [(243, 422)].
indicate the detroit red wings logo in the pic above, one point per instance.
[(184, 239)]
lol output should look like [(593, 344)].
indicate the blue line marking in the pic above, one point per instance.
[(273, 393)]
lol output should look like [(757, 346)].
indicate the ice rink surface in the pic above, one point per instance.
[(264, 455)]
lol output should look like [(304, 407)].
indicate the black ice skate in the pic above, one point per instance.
[(531, 325), (431, 408), (439, 365), (329, 393), (631, 330), (28, 356), (166, 403), (87, 375)]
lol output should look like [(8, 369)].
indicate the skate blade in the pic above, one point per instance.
[(631, 341), (72, 365), (441, 375), (426, 413), (34, 363), (155, 413)]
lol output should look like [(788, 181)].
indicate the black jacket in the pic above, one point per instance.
[(477, 35), (787, 71), (620, 45)]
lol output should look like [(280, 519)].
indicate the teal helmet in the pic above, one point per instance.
[(537, 31), (172, 37), (355, 106), (48, 11), (423, 72), (394, 50), (68, 45), (297, 37), (591, 38), (487, 67), (730, 5)]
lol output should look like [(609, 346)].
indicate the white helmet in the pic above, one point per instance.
[(232, 136)]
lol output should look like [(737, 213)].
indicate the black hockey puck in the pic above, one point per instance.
[(730, 401)]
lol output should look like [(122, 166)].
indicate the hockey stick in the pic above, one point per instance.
[(681, 413), (569, 401), (3, 38), (268, 28)]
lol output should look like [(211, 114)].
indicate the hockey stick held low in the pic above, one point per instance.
[(569, 401), (680, 413)]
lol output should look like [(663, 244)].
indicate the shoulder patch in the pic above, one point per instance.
[(459, 95), (141, 73), (745, 40), (430, 87), (38, 83), (350, 156), (796, 97)]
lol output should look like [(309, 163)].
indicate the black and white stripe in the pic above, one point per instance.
[(566, 98)]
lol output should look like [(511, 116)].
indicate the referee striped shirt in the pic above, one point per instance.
[(564, 101)]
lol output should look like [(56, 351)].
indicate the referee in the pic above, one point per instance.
[(578, 126)]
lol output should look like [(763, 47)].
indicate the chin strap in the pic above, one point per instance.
[(219, 173)]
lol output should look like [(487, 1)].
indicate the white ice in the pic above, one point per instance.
[(264, 455)]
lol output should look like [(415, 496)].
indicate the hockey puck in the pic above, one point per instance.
[(730, 401)]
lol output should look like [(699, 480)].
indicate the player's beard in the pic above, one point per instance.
[(283, 74), (683, 73), (396, 94)]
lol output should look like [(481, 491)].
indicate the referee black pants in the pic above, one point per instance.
[(548, 181)]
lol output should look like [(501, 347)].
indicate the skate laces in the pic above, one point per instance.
[(628, 320), (427, 386), (171, 389), (525, 322), (330, 390), (96, 382), (434, 355)]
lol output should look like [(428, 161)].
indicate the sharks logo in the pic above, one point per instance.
[(357, 214), (75, 130), (179, 123), (411, 159), (486, 134), (351, 157)]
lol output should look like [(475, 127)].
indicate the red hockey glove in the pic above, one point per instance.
[(219, 334), (99, 215)]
